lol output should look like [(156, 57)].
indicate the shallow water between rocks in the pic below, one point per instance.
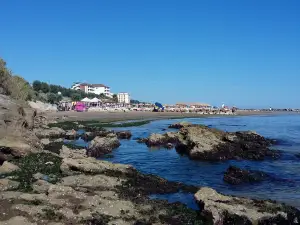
[(283, 184)]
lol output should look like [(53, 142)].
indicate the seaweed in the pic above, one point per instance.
[(33, 163)]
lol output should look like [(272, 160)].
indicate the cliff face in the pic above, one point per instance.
[(16, 124)]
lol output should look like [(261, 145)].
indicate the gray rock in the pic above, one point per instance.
[(66, 152), (38, 176), (71, 134), (54, 132), (125, 134), (41, 186), (204, 143), (18, 220), (72, 166), (162, 140), (103, 145), (226, 209), (180, 125), (8, 167), (45, 141), (6, 184)]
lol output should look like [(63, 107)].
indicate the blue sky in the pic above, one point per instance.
[(243, 53)]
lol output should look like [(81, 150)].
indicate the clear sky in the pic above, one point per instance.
[(244, 53)]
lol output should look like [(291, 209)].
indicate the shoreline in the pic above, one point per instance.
[(125, 116)]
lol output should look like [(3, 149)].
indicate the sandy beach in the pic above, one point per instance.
[(122, 116)]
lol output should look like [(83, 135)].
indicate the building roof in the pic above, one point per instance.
[(99, 85), (93, 85)]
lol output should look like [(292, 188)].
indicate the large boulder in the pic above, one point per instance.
[(204, 143), (235, 175), (233, 210), (53, 132), (103, 145), (125, 134), (162, 140)]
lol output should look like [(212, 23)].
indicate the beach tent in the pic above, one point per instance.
[(86, 100), (95, 100)]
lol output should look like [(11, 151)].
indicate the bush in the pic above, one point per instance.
[(15, 86), (20, 88), (53, 98), (76, 97)]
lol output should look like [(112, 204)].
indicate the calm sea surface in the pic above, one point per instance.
[(283, 184)]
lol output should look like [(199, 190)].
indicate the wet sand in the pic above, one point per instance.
[(121, 116)]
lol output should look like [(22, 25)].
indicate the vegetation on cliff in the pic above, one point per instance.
[(14, 85)]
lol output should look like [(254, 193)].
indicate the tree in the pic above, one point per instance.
[(37, 85), (5, 76), (76, 97), (44, 87), (132, 101), (54, 88), (115, 98)]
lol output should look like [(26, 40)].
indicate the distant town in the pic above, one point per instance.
[(98, 89)]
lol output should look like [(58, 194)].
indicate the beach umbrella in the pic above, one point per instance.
[(86, 100), (95, 100), (157, 104)]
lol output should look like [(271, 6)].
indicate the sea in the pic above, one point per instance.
[(282, 184)]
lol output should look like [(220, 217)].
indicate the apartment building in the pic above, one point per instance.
[(123, 97), (93, 88)]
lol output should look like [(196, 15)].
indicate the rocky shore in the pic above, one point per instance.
[(200, 142), (61, 185)]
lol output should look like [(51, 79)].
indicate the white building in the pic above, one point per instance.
[(123, 97), (93, 88)]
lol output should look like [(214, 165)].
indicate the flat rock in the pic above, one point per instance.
[(18, 146), (8, 167), (6, 184), (17, 220), (66, 152), (233, 210), (91, 166), (53, 132), (96, 181)]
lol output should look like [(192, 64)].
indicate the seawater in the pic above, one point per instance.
[(283, 184)]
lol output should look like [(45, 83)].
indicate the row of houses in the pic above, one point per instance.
[(123, 97)]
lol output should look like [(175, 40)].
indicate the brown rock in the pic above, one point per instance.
[(233, 210), (103, 145)]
